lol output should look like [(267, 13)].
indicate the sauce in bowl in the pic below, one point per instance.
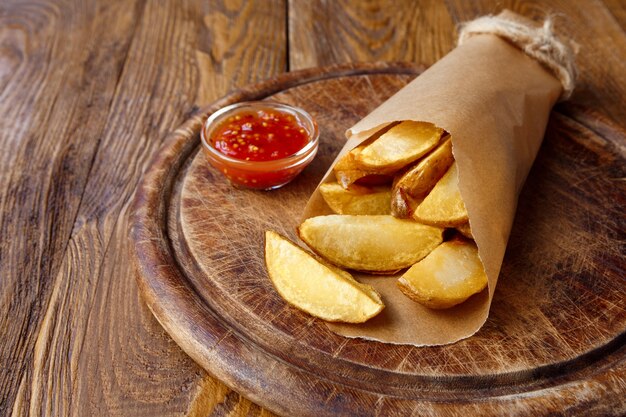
[(260, 145), (261, 135)]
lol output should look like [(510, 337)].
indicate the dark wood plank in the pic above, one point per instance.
[(81, 342), (58, 74), (239, 35), (332, 32)]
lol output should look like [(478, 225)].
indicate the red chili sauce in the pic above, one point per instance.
[(262, 135)]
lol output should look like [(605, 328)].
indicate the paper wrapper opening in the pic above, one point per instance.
[(495, 101)]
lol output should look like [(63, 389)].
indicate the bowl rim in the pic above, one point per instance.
[(282, 163)]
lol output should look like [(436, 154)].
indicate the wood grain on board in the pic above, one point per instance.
[(88, 90), (59, 73)]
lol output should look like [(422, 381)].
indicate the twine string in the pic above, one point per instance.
[(539, 43)]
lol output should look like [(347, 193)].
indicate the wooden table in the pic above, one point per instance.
[(88, 90)]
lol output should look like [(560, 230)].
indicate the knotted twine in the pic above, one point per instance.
[(539, 43)]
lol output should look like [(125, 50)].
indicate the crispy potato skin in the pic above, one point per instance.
[(419, 179), (399, 146), (443, 206), (348, 171), (425, 300), (357, 200), (448, 276), (290, 269), (375, 244), (402, 205)]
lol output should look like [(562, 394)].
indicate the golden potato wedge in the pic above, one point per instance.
[(314, 287), (465, 230), (443, 206), (421, 178), (379, 244), (356, 199), (348, 172), (399, 146), (449, 275), (403, 205)]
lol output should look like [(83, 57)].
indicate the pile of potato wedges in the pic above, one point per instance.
[(398, 210)]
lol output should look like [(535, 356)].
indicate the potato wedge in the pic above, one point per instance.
[(399, 146), (449, 275), (421, 178), (314, 287), (443, 206), (409, 189), (465, 230), (356, 199), (380, 244), (402, 205), (348, 172)]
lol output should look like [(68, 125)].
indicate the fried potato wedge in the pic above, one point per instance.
[(379, 244), (348, 171), (409, 189), (421, 178), (403, 205), (399, 146), (449, 275), (356, 199), (314, 287), (465, 230), (443, 206)]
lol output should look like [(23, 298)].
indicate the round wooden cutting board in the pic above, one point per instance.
[(554, 340)]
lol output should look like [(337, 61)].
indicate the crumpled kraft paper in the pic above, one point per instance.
[(495, 102)]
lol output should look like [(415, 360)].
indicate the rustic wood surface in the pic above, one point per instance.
[(88, 91)]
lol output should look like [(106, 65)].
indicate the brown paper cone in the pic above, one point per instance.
[(495, 101)]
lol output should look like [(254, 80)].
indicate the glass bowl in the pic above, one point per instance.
[(261, 175)]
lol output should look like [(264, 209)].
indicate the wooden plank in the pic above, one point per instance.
[(58, 73), (332, 32), (155, 94), (87, 345)]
